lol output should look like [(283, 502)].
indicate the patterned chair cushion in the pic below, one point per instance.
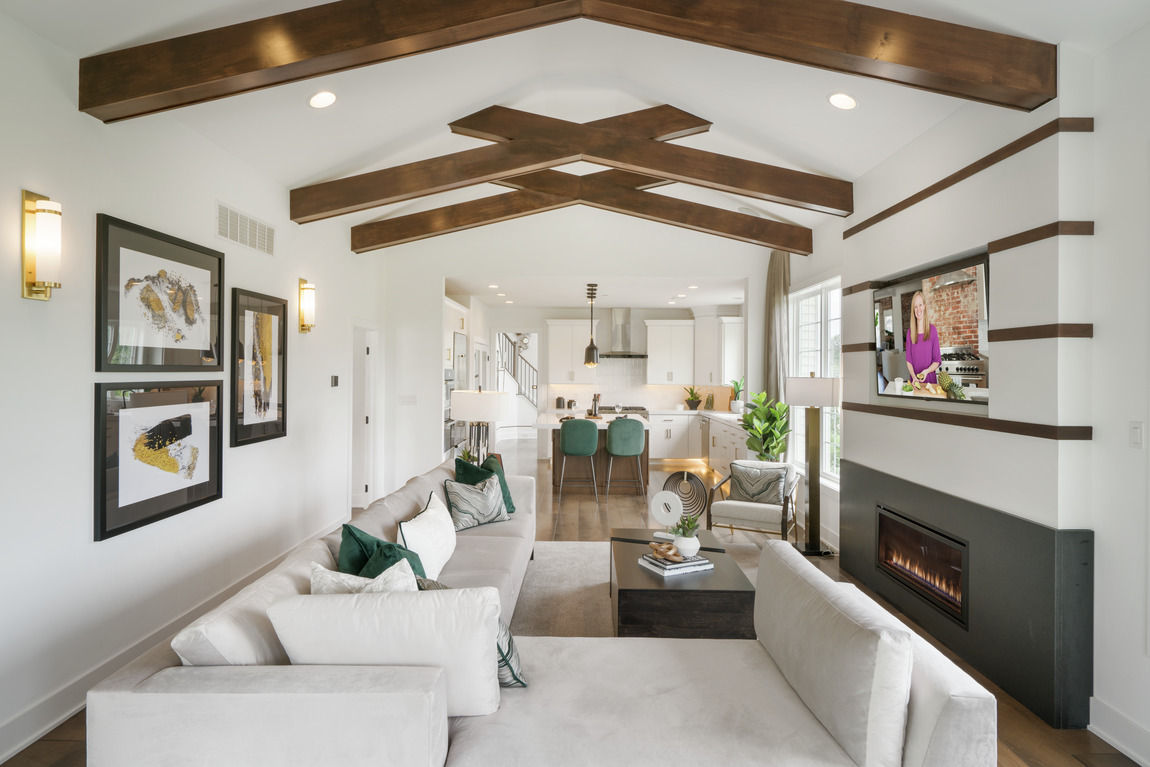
[(760, 481)]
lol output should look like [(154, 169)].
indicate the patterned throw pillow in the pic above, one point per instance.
[(398, 577), (474, 505), (758, 483), (471, 474), (507, 656)]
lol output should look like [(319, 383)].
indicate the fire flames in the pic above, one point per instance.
[(944, 588)]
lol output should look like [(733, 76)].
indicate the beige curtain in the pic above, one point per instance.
[(776, 333)]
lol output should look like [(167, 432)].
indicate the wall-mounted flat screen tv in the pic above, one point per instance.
[(930, 333)]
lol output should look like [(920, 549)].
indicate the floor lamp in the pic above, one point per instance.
[(480, 409), (814, 394)]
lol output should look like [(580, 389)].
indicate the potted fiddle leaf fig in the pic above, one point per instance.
[(693, 398), (766, 425)]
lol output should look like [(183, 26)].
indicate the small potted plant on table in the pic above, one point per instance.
[(686, 532)]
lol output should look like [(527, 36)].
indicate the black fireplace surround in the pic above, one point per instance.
[(1026, 614)]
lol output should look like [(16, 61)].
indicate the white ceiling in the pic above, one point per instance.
[(397, 112), (571, 292)]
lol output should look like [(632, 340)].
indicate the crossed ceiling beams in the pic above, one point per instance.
[(831, 34), (529, 145)]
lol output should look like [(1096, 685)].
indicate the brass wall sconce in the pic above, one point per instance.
[(306, 306), (41, 248)]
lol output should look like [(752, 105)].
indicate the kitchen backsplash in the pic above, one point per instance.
[(624, 382)]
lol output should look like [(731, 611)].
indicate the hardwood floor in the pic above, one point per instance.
[(1023, 739)]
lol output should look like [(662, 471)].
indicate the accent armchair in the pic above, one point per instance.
[(761, 498)]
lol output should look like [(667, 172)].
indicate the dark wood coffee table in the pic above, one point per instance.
[(717, 604)]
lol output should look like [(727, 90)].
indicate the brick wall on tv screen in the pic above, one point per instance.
[(953, 310)]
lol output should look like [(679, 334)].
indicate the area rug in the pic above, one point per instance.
[(565, 590)]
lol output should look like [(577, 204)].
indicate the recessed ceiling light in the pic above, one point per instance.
[(672, 302), (842, 101), (321, 100), (492, 286), (500, 294), (692, 287), (681, 295), (509, 301)]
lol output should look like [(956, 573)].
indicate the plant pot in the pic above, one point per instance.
[(688, 547), (738, 406), (693, 403)]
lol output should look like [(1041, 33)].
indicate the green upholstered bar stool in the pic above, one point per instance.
[(578, 437), (625, 438)]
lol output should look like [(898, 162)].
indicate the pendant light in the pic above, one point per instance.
[(591, 356)]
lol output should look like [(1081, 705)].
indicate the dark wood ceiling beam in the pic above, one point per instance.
[(422, 178), (857, 39), (452, 218), (676, 163), (294, 46)]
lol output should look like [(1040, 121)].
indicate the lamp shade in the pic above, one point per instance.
[(307, 303), (478, 406), (591, 355), (814, 392), (48, 226)]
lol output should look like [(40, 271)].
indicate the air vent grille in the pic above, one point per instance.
[(242, 228)]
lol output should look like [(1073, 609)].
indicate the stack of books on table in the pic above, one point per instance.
[(666, 567)]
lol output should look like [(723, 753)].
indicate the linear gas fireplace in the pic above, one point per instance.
[(932, 564)]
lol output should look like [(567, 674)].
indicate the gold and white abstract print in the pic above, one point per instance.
[(163, 303), (162, 449), (260, 371)]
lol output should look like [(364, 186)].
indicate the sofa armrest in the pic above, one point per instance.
[(282, 715), (522, 491)]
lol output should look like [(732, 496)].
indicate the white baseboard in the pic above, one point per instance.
[(1116, 729), (54, 709)]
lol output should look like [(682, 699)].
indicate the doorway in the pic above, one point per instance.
[(365, 350)]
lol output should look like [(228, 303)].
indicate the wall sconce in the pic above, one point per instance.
[(40, 254), (306, 306)]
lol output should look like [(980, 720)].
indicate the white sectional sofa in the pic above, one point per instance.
[(832, 679)]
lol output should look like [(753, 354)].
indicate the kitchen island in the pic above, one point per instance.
[(624, 469)]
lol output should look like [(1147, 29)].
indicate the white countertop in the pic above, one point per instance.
[(550, 421)]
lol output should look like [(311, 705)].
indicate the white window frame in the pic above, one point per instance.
[(829, 362)]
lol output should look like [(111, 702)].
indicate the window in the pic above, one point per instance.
[(816, 346)]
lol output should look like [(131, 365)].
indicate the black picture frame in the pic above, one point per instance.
[(151, 314), (150, 461), (263, 415)]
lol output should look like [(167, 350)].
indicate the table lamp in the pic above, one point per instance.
[(814, 393), (480, 409)]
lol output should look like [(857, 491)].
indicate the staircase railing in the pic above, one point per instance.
[(525, 374)]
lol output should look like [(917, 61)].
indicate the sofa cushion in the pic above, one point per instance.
[(398, 577), (473, 505), (238, 632), (453, 629), (367, 556), (491, 467), (431, 535), (490, 561), (848, 660), (506, 654)]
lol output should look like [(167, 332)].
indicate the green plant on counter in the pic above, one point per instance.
[(468, 456), (692, 392), (766, 424), (737, 385)]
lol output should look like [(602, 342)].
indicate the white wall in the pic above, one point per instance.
[(577, 245), (74, 606)]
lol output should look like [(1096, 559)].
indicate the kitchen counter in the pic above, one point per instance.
[(550, 421), (973, 394)]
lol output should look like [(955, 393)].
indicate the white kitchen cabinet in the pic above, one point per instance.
[(718, 349), (731, 336), (671, 352), (728, 442), (670, 436), (566, 342), (695, 436)]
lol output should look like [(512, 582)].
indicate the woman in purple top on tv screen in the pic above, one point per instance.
[(922, 354)]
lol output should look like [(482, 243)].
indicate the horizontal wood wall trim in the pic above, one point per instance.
[(1063, 330), (1054, 127), (1041, 233), (860, 287), (1039, 430), (870, 346)]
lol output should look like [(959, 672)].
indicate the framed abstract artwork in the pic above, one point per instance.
[(159, 301), (158, 451), (259, 367)]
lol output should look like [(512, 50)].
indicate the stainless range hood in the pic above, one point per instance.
[(621, 337)]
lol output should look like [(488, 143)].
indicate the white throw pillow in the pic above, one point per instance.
[(431, 535), (398, 577), (848, 659), (454, 630)]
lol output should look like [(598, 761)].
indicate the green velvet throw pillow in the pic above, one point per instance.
[(367, 556), (470, 474)]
